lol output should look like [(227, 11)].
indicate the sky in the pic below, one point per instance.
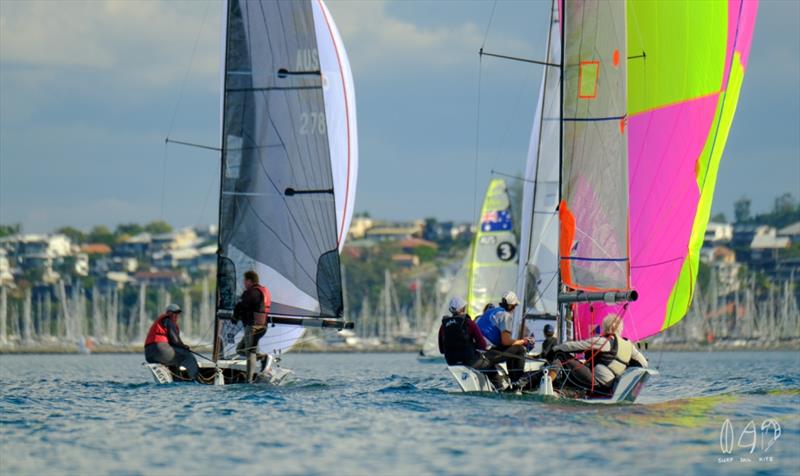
[(90, 89)]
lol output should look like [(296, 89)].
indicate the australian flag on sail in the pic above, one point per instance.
[(496, 221)]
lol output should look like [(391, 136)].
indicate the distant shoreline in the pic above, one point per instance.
[(101, 349)]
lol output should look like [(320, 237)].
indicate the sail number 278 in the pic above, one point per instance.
[(312, 123)]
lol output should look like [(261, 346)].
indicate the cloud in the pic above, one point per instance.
[(147, 43), (378, 42)]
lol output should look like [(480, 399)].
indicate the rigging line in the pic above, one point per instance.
[(163, 180), (546, 287), (489, 25), (518, 58), (177, 106), (477, 141), (478, 113), (188, 70), (517, 177), (191, 144)]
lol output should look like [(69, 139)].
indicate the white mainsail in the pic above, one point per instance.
[(537, 275)]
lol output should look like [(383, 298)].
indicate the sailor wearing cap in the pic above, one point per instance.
[(496, 325), (163, 344), (459, 337)]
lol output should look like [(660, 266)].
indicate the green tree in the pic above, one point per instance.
[(784, 204), (101, 234), (703, 275), (741, 210), (425, 253), (157, 227), (719, 218), (429, 232), (785, 211), (8, 230), (75, 235), (129, 229)]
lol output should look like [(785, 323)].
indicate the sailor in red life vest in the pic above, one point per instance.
[(252, 309), (163, 344)]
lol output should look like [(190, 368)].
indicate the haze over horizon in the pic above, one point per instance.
[(86, 100)]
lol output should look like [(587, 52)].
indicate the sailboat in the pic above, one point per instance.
[(289, 160), (622, 165), (489, 269), (494, 251)]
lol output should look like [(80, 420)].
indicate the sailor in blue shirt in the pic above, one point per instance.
[(496, 325)]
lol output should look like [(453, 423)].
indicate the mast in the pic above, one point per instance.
[(26, 318), (417, 306), (387, 306), (561, 305), (3, 314), (224, 63)]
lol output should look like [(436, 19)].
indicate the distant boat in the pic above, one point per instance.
[(85, 346), (623, 159), (493, 264), (490, 265), (288, 176)]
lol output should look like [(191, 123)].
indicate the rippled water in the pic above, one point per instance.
[(389, 414)]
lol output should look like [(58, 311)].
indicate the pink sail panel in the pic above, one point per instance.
[(661, 143), (674, 150)]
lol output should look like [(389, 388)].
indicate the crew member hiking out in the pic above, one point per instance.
[(163, 344), (607, 358)]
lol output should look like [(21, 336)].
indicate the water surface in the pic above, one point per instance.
[(389, 414)]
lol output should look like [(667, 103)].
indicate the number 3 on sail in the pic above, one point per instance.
[(635, 106)]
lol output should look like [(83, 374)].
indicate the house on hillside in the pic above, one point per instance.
[(162, 278), (792, 232), (404, 260), (765, 249)]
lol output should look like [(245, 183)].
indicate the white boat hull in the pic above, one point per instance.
[(471, 380), (626, 389), (223, 372)]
